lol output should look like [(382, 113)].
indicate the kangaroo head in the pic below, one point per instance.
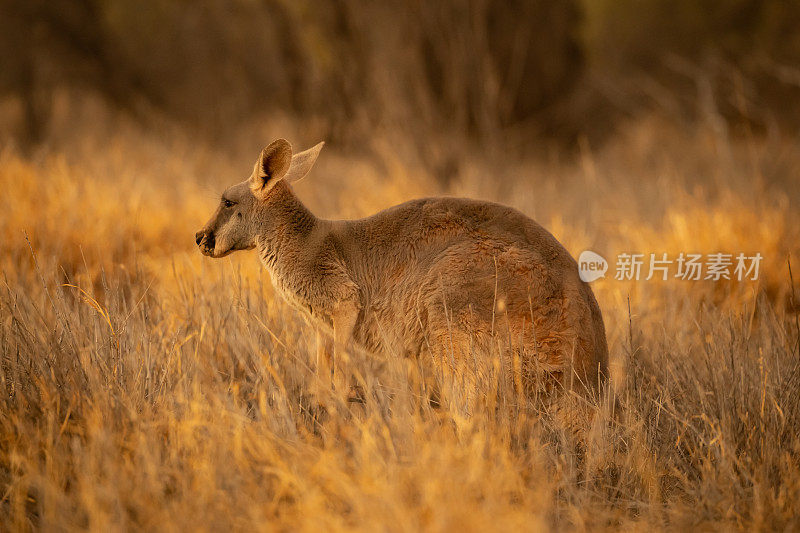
[(245, 207)]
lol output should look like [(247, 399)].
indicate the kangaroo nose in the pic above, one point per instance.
[(198, 237)]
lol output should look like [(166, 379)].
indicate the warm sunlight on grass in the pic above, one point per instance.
[(145, 386)]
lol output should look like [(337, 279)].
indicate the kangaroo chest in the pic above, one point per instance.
[(301, 300)]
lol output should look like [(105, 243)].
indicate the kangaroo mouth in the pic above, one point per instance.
[(223, 254), (211, 252)]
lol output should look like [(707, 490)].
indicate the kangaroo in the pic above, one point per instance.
[(436, 276)]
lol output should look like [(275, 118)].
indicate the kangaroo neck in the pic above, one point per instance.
[(285, 226)]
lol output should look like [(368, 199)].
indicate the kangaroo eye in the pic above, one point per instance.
[(227, 203)]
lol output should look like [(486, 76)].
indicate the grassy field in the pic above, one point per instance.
[(143, 386)]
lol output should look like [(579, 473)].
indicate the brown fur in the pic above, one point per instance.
[(449, 278)]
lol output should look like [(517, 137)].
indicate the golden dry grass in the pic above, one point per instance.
[(146, 387)]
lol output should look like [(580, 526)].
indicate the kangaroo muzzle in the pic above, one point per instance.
[(205, 240)]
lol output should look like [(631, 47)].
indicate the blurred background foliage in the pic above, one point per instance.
[(486, 71)]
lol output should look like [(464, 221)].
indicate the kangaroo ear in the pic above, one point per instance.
[(302, 163), (272, 165)]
